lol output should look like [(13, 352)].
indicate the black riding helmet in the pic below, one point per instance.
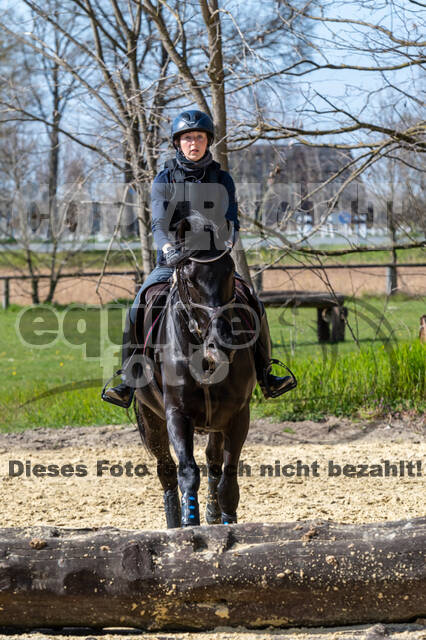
[(192, 120)]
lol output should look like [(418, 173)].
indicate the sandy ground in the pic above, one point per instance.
[(415, 631), (118, 496), (135, 502), (351, 282)]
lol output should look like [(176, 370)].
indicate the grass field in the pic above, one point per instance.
[(379, 368), (53, 362)]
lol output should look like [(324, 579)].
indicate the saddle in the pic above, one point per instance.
[(245, 296)]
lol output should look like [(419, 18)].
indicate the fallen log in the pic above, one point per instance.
[(307, 573)]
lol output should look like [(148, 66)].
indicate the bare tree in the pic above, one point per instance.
[(387, 51), (123, 73), (43, 90), (254, 70), (145, 56)]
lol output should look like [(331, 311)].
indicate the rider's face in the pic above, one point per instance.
[(193, 145)]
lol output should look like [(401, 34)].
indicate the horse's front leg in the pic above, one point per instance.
[(214, 456), (154, 435), (228, 490), (181, 435)]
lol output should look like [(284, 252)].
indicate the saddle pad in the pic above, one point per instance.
[(148, 315), (246, 296)]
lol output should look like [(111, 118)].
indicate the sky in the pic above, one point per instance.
[(358, 91), (334, 83)]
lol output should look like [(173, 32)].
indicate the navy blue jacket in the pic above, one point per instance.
[(165, 195)]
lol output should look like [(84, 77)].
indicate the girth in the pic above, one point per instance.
[(245, 296)]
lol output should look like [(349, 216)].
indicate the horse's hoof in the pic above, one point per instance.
[(172, 508), (229, 519), (190, 510), (213, 515)]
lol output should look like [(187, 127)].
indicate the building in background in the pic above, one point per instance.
[(294, 188)]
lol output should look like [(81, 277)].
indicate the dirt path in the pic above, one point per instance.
[(110, 494), (135, 502), (414, 631), (330, 431), (350, 281)]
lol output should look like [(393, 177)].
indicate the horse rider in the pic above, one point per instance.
[(192, 134)]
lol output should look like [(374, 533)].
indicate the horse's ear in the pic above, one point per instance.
[(182, 227)]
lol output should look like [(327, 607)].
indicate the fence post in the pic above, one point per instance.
[(323, 328), (6, 294)]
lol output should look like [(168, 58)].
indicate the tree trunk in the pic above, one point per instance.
[(215, 71), (211, 16), (284, 574), (144, 227), (54, 228), (35, 297), (392, 274), (54, 155), (53, 283)]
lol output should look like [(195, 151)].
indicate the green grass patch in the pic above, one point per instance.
[(375, 381), (46, 355), (53, 362), (380, 368), (91, 259), (269, 256)]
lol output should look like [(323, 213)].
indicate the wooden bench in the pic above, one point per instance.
[(331, 312)]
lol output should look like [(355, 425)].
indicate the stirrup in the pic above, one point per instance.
[(111, 400), (276, 393)]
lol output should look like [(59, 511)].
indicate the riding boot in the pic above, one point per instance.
[(122, 394), (271, 386)]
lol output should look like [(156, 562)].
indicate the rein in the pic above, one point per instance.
[(227, 250)]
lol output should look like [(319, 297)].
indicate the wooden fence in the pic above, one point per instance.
[(257, 270)]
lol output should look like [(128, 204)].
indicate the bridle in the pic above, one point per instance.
[(187, 303)]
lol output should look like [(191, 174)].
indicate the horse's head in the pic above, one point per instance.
[(196, 233), (206, 284)]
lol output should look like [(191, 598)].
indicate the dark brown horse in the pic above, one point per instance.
[(199, 376)]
